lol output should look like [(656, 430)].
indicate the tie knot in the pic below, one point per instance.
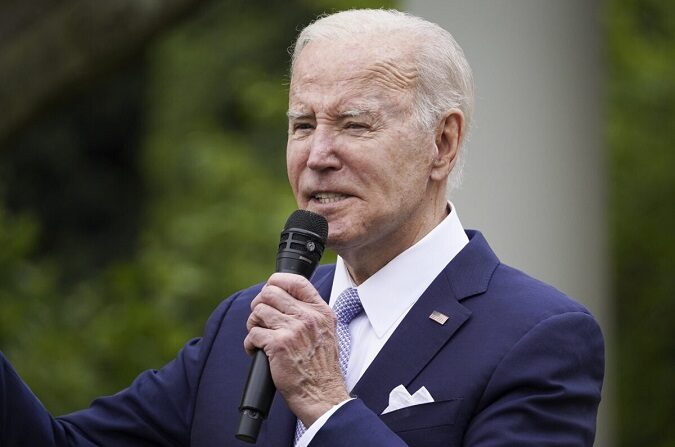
[(347, 306)]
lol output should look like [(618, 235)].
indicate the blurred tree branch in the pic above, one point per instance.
[(48, 47)]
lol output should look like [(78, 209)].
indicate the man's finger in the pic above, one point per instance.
[(267, 316), (277, 298), (296, 286), (257, 338)]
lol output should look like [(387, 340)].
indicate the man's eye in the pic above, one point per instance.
[(356, 126), (302, 126)]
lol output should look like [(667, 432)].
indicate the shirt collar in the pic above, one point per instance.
[(390, 292)]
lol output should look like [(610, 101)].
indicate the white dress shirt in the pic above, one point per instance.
[(388, 295)]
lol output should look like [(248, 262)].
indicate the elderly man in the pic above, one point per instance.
[(437, 342)]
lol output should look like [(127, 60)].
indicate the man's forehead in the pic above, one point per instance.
[(387, 62), (374, 89)]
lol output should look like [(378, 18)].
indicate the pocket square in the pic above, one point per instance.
[(399, 398)]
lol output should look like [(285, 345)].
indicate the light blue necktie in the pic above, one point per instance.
[(347, 306)]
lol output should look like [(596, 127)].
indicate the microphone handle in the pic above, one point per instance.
[(258, 395)]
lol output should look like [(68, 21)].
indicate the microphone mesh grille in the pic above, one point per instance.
[(310, 221)]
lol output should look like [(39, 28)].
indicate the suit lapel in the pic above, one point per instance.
[(418, 338), (412, 345), (279, 429), (323, 281)]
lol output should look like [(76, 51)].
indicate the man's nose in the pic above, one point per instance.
[(323, 150)]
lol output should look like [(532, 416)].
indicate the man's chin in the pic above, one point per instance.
[(339, 240), (335, 242)]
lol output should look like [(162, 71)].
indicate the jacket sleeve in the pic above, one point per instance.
[(546, 389), (155, 410), (355, 424)]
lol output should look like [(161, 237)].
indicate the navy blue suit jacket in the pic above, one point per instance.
[(516, 364)]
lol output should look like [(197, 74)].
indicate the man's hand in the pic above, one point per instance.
[(296, 329)]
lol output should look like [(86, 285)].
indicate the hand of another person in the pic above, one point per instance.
[(296, 329)]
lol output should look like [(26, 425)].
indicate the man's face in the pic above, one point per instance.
[(354, 155)]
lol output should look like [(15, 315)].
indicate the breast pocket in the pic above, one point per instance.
[(426, 425)]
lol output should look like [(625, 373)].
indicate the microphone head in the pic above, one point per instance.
[(302, 243), (309, 221)]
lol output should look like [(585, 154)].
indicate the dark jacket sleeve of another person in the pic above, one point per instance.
[(156, 409)]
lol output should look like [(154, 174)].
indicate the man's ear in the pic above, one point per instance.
[(448, 139)]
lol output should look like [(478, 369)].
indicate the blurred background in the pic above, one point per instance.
[(142, 176)]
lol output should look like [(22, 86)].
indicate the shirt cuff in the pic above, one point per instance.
[(308, 435)]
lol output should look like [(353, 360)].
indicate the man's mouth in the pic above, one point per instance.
[(328, 197)]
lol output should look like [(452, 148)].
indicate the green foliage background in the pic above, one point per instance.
[(132, 210), (641, 142), (129, 211)]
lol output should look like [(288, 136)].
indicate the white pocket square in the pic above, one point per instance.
[(399, 398)]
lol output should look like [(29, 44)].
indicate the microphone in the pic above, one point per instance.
[(300, 248)]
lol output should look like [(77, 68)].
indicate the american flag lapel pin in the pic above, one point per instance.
[(438, 317)]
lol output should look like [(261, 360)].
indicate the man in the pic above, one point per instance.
[(379, 106)]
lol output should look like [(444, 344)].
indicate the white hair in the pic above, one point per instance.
[(445, 78)]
